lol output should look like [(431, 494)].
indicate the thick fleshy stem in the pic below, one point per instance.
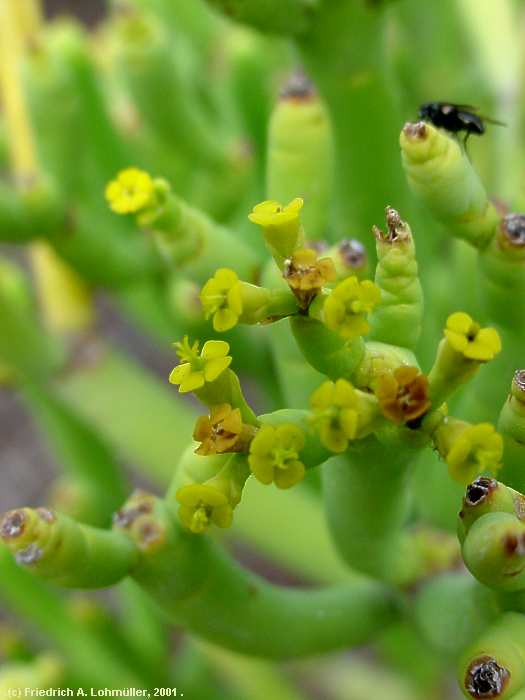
[(68, 553), (502, 267), (326, 350), (198, 585), (511, 424), (366, 504), (441, 175), (288, 17), (24, 349), (397, 318), (188, 239), (300, 154), (493, 666), (352, 79)]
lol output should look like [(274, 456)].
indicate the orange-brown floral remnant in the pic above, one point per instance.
[(222, 431), (403, 394), (306, 274)]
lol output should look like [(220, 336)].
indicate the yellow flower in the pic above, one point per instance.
[(403, 394), (222, 431), (131, 191), (468, 338), (345, 309), (197, 369), (274, 455), (335, 409), (201, 505), (281, 226), (476, 449), (221, 298), (273, 214)]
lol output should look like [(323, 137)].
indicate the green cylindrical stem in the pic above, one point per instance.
[(511, 425), (325, 350), (35, 211), (397, 318), (200, 587), (149, 68), (189, 239), (24, 349), (300, 154), (441, 175), (366, 504), (351, 77), (502, 268), (449, 371), (66, 552)]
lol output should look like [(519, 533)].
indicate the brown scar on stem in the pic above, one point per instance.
[(416, 130), (29, 555), (396, 228), (478, 491), (298, 88), (485, 678), (352, 252), (512, 231), (13, 524), (46, 515), (519, 380)]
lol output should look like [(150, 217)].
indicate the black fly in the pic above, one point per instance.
[(455, 118)]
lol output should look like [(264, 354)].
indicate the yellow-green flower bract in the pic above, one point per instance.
[(477, 449), (335, 414)]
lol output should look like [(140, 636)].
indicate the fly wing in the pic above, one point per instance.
[(489, 120)]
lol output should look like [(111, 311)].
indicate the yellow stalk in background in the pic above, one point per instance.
[(64, 299)]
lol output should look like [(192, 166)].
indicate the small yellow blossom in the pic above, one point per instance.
[(274, 455), (335, 413), (131, 191), (197, 369), (221, 298), (281, 226), (201, 505), (222, 431), (476, 449), (403, 394), (468, 338), (345, 309), (273, 214)]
